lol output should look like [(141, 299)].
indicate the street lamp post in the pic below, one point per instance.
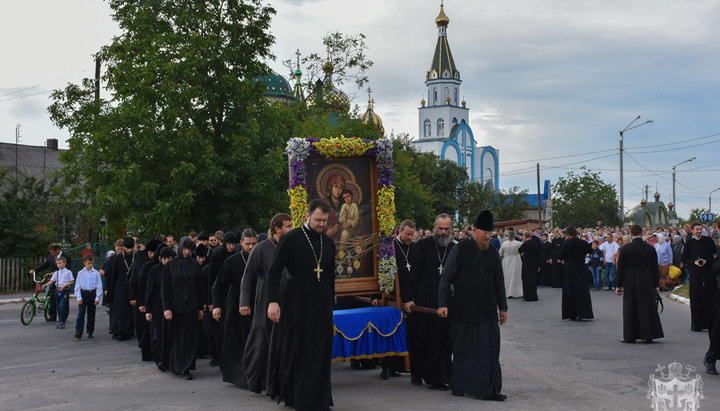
[(622, 135), (710, 200), (686, 161)]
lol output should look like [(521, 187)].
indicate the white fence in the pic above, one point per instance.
[(14, 273)]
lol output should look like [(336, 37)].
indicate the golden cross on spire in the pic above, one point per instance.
[(297, 53)]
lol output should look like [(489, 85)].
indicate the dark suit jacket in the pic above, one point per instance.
[(50, 263)]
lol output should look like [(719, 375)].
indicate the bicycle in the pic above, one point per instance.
[(37, 302)]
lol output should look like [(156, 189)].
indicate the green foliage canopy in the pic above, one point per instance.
[(584, 199)]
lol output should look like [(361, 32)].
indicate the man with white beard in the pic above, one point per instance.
[(429, 345)]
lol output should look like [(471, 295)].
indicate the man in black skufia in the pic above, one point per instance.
[(638, 277), (118, 292), (182, 305), (154, 309), (429, 347), (253, 301), (474, 270), (546, 261), (576, 303), (50, 264), (140, 258), (530, 253), (235, 326), (557, 266), (698, 257), (138, 283), (305, 311)]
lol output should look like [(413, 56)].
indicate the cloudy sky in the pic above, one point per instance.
[(546, 81)]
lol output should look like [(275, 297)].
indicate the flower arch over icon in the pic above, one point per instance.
[(300, 149)]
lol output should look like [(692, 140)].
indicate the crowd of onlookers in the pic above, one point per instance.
[(606, 241)]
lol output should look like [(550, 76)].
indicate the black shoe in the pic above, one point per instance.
[(90, 335), (439, 386), (187, 375), (649, 341), (710, 368), (161, 367), (395, 374), (213, 363), (355, 364), (496, 397), (415, 379), (78, 336), (457, 393), (628, 341), (385, 374)]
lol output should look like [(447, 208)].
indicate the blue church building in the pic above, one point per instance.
[(443, 119)]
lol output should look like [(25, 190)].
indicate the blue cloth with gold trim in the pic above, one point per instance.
[(371, 332)]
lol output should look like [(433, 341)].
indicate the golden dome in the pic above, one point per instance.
[(328, 67), (442, 19), (371, 117)]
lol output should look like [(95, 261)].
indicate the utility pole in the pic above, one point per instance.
[(622, 136), (97, 79), (673, 179), (17, 141), (539, 197)]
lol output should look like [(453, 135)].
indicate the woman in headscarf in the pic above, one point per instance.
[(665, 258)]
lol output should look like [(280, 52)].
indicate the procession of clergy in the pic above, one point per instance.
[(264, 313)]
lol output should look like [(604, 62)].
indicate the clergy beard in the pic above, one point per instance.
[(442, 240)]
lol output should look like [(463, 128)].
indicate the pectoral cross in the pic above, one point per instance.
[(440, 268), (318, 270), (408, 266)]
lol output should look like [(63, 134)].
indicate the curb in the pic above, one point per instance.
[(22, 300), (679, 298)]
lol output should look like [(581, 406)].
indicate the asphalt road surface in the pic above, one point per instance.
[(547, 364)]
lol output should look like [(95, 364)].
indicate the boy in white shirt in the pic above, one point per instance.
[(63, 278), (88, 291)]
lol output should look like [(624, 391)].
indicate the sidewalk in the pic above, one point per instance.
[(19, 297)]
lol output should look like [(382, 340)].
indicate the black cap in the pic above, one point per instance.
[(231, 238), (201, 250), (166, 252), (188, 243), (484, 221), (129, 242), (152, 245), (203, 235)]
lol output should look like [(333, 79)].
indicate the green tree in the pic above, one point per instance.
[(413, 200), (474, 197), (509, 204), (583, 199), (696, 215), (25, 229), (181, 138)]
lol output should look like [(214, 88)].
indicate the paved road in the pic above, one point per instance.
[(548, 364)]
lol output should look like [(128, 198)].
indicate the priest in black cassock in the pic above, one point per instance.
[(428, 343), (713, 353), (638, 278), (253, 301), (557, 265), (138, 283), (531, 253), (182, 307), (213, 328), (154, 308), (118, 292), (698, 257), (235, 326), (475, 308), (576, 303), (305, 311), (546, 261)]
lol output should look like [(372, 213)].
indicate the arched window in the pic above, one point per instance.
[(434, 96), (456, 96), (454, 121), (447, 94), (441, 127), (428, 128)]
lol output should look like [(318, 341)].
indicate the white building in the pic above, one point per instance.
[(443, 119)]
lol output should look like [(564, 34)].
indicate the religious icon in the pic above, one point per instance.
[(348, 187)]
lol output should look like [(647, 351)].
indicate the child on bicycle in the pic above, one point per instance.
[(63, 279), (88, 291)]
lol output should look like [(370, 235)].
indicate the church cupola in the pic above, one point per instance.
[(297, 89), (443, 65), (371, 117)]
